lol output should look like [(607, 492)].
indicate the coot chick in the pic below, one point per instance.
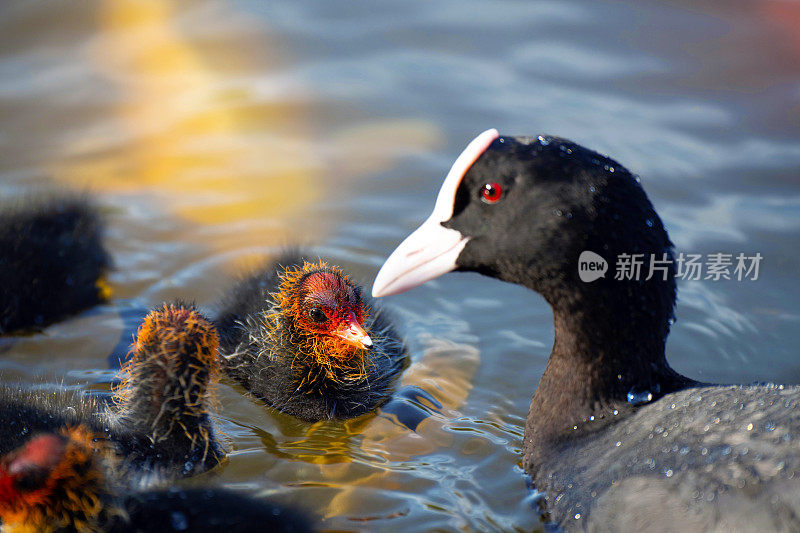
[(62, 482), (300, 336), (160, 419), (52, 261), (616, 439), (165, 401)]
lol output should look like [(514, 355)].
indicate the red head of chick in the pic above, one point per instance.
[(322, 306), (52, 483)]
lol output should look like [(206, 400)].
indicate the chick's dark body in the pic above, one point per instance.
[(51, 260)]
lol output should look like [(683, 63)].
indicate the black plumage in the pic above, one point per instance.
[(51, 260), (209, 510)]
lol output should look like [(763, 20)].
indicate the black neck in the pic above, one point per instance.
[(605, 348)]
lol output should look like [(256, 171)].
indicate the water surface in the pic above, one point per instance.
[(213, 134)]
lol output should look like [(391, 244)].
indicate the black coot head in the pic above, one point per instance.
[(524, 209)]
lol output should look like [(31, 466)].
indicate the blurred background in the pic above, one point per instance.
[(215, 133)]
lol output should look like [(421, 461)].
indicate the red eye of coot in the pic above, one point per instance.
[(491, 193)]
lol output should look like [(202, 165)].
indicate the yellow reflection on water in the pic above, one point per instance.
[(184, 128)]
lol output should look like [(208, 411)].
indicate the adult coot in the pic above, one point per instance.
[(300, 336), (160, 420), (61, 482), (51, 260), (615, 438)]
